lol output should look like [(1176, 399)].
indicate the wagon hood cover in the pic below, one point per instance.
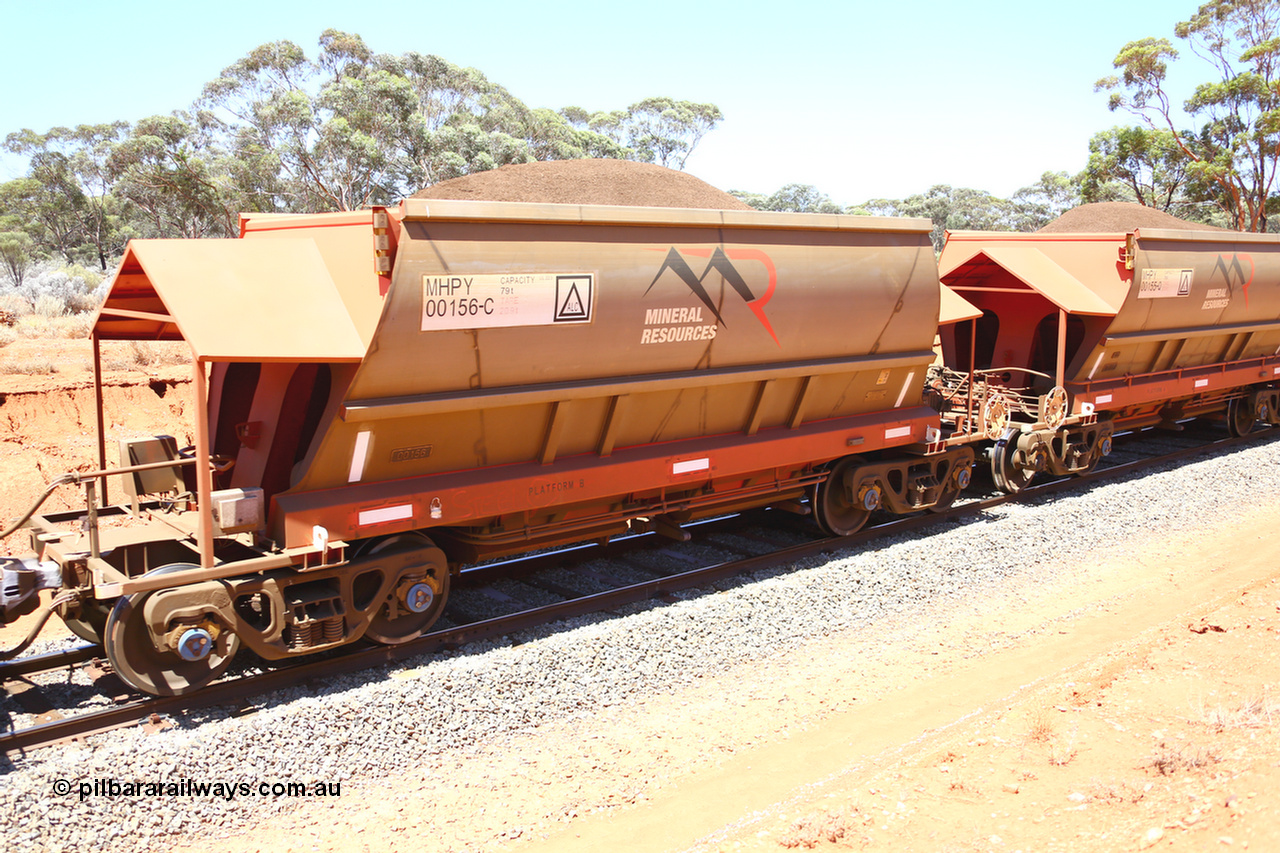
[(233, 300), (954, 308), (1036, 270)]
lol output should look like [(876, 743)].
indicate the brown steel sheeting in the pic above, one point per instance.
[(1090, 294), (233, 300), (346, 245), (1184, 308), (829, 293), (587, 214), (955, 308)]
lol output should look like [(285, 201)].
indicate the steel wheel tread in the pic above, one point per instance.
[(140, 665), (406, 625), (835, 513), (1008, 477)]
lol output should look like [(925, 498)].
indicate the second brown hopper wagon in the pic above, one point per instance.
[(384, 395), (1084, 333)]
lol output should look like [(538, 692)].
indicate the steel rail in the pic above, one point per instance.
[(361, 658)]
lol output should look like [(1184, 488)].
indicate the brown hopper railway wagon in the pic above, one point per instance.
[(385, 395), (1080, 334)]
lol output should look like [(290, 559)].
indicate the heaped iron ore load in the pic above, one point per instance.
[(386, 395)]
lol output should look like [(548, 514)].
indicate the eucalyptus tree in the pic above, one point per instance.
[(1035, 206), (173, 177), (17, 253), (1233, 150), (665, 131), (654, 130), (950, 209), (71, 203), (1148, 165), (330, 125), (791, 198)]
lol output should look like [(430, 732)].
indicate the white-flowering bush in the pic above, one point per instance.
[(48, 305), (52, 290)]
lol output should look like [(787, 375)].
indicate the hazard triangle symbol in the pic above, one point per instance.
[(572, 307)]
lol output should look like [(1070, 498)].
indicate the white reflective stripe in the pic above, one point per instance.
[(1096, 362), (1200, 383), (358, 456), (386, 513), (1276, 372), (898, 432), (1102, 398), (691, 465), (903, 393)]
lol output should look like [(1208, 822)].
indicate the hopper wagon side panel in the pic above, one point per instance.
[(534, 372), (1201, 320)]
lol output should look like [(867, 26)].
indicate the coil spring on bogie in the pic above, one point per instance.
[(302, 635), (305, 635)]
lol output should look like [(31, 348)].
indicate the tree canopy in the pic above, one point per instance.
[(1232, 151), (279, 131), (346, 127)]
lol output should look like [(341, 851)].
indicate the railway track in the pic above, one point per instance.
[(771, 531)]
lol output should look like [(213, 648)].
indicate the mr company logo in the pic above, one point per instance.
[(1234, 273), (721, 261)]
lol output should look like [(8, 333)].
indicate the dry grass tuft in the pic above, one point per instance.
[(810, 831), (1116, 793), (1042, 724), (159, 354), (1167, 760), (32, 326), (28, 367), (1255, 712), (1060, 755)]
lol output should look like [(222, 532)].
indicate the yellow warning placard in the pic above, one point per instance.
[(507, 299)]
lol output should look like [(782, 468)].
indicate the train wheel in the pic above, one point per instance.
[(1240, 417), (415, 602), (956, 483), (139, 664), (1009, 477), (836, 510), (91, 623)]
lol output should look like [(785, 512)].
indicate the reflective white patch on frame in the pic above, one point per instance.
[(358, 456), (1096, 362), (384, 514), (898, 432), (903, 393), (1200, 383), (691, 465)]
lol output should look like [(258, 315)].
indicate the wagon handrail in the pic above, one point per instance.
[(74, 478)]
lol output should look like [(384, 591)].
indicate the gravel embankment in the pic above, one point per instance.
[(370, 725)]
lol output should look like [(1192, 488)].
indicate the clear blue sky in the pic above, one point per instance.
[(861, 99)]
